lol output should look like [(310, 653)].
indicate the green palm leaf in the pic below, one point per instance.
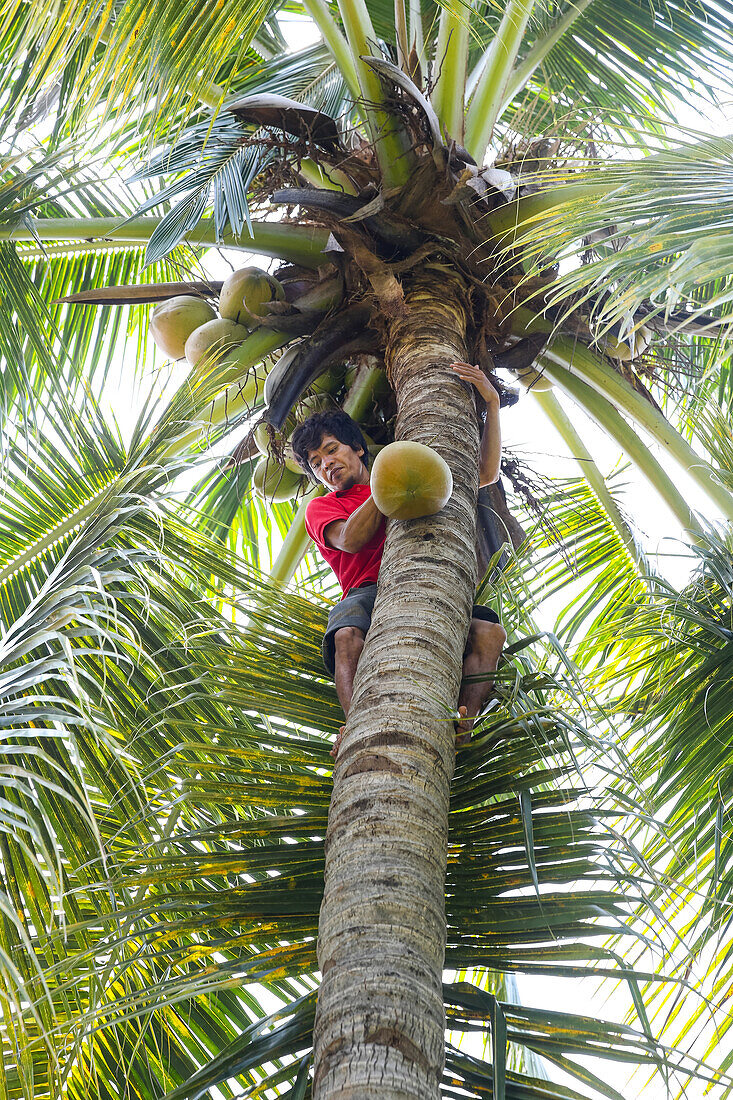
[(631, 54), (165, 720), (240, 788), (666, 243), (214, 159)]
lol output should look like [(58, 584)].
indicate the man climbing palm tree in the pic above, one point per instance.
[(349, 530)]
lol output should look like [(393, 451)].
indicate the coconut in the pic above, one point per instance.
[(173, 321), (274, 482), (263, 438), (410, 480), (214, 339), (248, 291)]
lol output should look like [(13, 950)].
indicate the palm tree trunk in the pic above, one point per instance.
[(380, 1023)]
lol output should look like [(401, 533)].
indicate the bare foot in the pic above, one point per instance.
[(337, 742), (464, 725)]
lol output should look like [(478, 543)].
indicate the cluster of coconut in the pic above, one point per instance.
[(277, 476), (188, 325), (408, 480)]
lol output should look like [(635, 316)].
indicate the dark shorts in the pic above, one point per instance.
[(355, 609)]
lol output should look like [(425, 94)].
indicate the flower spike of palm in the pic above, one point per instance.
[(418, 175)]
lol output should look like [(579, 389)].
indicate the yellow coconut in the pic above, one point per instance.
[(248, 291), (274, 482), (214, 339), (410, 480), (173, 321)]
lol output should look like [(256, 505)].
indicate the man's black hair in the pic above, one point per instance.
[(308, 435)]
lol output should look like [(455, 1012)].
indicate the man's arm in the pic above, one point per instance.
[(351, 534), (490, 457)]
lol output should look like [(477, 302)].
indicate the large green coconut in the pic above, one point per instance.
[(214, 339), (173, 321), (246, 292), (410, 480), (273, 482)]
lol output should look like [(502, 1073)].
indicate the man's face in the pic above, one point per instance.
[(337, 465)]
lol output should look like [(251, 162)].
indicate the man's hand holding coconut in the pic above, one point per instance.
[(348, 527)]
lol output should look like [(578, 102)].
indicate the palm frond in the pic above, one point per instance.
[(665, 677), (617, 61), (309, 75), (576, 567), (22, 311), (107, 55), (204, 814), (212, 162), (93, 341), (664, 220), (213, 158)]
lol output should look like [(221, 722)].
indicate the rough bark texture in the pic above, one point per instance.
[(380, 1024)]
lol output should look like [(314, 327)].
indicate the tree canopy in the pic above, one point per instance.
[(164, 761)]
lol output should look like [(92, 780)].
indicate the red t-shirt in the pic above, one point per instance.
[(350, 569)]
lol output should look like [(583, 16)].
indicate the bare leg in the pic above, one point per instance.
[(348, 644), (485, 643)]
